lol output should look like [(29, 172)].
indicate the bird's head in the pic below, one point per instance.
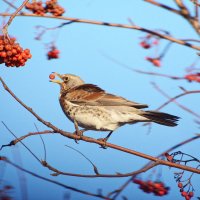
[(67, 81)]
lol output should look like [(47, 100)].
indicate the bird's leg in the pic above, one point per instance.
[(105, 139), (109, 134), (78, 132)]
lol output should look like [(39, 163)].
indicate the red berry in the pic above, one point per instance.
[(161, 192), (187, 197), (184, 193), (14, 51), (27, 51), (145, 45), (3, 54), (150, 183), (180, 185), (157, 185), (8, 47), (156, 62), (191, 194), (52, 76)]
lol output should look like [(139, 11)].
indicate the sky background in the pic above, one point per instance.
[(83, 48)]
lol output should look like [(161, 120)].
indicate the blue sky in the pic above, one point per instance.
[(82, 49)]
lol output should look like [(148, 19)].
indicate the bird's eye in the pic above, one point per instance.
[(65, 79)]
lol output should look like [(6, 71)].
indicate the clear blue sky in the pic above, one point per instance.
[(82, 47)]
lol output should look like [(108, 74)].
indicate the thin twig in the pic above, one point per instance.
[(140, 71), (94, 166), (177, 103), (45, 152), (12, 5), (20, 142), (196, 10), (5, 28), (178, 96)]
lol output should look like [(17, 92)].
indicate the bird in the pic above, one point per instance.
[(92, 108)]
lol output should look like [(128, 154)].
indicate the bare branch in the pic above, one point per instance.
[(101, 143), (184, 12), (163, 6), (77, 20)]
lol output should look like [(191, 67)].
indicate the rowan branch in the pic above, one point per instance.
[(99, 142), (99, 175), (58, 172), (78, 20)]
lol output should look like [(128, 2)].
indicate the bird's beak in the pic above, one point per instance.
[(56, 81)]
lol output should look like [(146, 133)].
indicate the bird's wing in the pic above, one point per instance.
[(88, 94)]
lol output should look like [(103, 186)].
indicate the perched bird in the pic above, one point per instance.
[(91, 108)]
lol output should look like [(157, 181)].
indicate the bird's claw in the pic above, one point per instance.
[(103, 146), (78, 133)]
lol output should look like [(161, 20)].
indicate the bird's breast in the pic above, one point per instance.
[(89, 117)]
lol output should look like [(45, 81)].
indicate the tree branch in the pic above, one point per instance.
[(101, 143), (184, 12), (77, 20), (163, 6), (5, 31)]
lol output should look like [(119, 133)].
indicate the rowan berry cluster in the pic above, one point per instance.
[(148, 41), (54, 8), (185, 185), (36, 7), (53, 53), (158, 188), (50, 6), (188, 195), (193, 77), (11, 53)]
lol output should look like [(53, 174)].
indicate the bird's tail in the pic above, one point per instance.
[(161, 118)]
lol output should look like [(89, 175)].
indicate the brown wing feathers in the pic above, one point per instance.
[(93, 95)]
